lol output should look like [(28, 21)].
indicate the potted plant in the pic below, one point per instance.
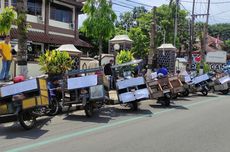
[(55, 63), (125, 56)]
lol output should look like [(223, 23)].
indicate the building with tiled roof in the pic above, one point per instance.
[(53, 23)]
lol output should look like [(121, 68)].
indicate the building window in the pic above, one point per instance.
[(61, 13), (14, 3), (34, 7), (52, 47), (6, 3), (34, 51)]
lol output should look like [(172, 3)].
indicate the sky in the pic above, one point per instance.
[(219, 9)]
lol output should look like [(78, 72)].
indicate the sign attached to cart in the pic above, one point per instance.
[(17, 88), (81, 82), (200, 78)]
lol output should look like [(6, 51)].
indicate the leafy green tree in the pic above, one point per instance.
[(227, 46), (7, 18), (221, 30), (140, 47), (130, 19), (138, 29), (100, 21), (165, 20)]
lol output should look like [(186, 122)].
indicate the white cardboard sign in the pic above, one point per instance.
[(82, 82), (200, 78), (19, 87)]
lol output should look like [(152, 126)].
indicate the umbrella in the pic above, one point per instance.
[(69, 48)]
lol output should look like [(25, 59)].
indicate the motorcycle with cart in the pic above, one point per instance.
[(195, 84), (83, 89), (27, 100), (130, 90), (160, 88)]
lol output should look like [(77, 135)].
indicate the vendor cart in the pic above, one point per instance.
[(27, 100), (196, 84), (160, 89), (222, 84), (84, 89), (177, 86), (130, 89)]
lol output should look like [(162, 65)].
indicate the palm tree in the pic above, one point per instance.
[(21, 9)]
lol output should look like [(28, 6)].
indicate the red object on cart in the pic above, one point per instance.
[(18, 79)]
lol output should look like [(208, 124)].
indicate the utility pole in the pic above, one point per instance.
[(176, 22), (191, 35), (152, 54), (205, 36)]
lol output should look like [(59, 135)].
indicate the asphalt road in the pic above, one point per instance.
[(193, 124)]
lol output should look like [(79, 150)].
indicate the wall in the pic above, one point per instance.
[(33, 69)]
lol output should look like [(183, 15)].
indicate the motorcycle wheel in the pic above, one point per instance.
[(204, 92), (88, 109), (174, 96), (186, 93), (225, 91), (167, 102), (26, 120)]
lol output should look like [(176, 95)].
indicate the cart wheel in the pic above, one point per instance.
[(88, 109), (54, 108), (167, 102), (174, 96), (134, 105), (186, 93), (27, 120), (225, 91), (204, 92)]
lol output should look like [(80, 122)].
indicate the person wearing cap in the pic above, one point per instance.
[(5, 51), (162, 71)]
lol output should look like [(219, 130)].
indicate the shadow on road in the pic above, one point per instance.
[(179, 107), (97, 118), (104, 115), (14, 130), (200, 95), (182, 99), (124, 111)]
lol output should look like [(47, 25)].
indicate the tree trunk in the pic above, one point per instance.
[(100, 46), (22, 37)]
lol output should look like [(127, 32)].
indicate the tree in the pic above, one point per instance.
[(221, 30), (227, 46), (136, 24), (100, 21), (21, 9), (140, 47), (130, 19), (7, 18), (165, 20)]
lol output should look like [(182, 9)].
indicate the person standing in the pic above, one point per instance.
[(109, 72), (108, 68), (5, 51)]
